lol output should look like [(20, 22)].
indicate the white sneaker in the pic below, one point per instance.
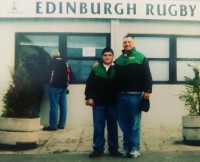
[(135, 154)]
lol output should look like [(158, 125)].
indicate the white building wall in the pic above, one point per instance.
[(7, 47), (166, 109)]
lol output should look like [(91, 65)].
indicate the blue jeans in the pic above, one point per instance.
[(101, 115), (57, 97), (129, 119)]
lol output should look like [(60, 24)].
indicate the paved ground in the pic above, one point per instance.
[(160, 143)]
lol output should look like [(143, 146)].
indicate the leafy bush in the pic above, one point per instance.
[(191, 95), (19, 99)]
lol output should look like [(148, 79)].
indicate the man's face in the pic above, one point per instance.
[(107, 58), (128, 43)]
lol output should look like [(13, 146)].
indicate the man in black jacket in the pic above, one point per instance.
[(134, 81), (57, 90), (101, 94)]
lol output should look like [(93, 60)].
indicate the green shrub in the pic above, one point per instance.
[(191, 95), (19, 99)]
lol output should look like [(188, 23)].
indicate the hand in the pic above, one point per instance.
[(146, 95), (96, 64), (90, 102)]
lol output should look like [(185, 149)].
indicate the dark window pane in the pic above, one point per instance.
[(81, 69)]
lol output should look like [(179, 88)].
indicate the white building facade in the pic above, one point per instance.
[(166, 31)]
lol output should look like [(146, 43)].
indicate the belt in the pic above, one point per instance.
[(131, 92)]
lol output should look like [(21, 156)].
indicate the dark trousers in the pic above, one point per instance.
[(102, 116)]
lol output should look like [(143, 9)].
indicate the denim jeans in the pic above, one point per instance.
[(101, 115), (57, 97), (129, 119)]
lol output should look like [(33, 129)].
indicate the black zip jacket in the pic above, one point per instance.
[(133, 72), (58, 78), (101, 86)]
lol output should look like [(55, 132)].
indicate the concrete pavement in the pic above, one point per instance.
[(158, 143)]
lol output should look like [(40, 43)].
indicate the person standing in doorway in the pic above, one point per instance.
[(134, 81), (59, 80), (100, 92)]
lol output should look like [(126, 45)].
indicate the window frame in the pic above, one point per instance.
[(172, 55), (172, 50), (62, 41), (185, 59)]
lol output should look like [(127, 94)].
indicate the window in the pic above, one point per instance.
[(188, 52), (169, 56), (158, 55), (80, 50)]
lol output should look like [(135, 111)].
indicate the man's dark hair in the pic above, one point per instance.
[(107, 49)]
